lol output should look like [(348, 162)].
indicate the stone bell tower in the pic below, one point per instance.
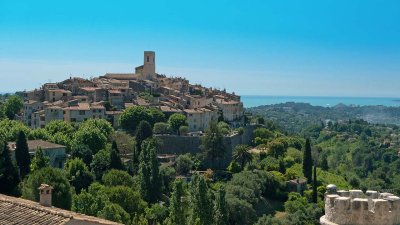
[(149, 66)]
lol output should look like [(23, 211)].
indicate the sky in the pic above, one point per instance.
[(253, 47)]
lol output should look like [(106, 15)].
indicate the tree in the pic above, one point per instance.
[(92, 201), (12, 106), (115, 159), (176, 208), (9, 177), (161, 128), (143, 132), (202, 210), (22, 155), (39, 161), (324, 162), (307, 161), (82, 152), (183, 130), (78, 174), (92, 137), (61, 196), (264, 220), (60, 126), (247, 214), (132, 116), (156, 115), (177, 120), (220, 208), (101, 163), (223, 127), (184, 164), (115, 213), (242, 155), (103, 125), (315, 192), (117, 178), (212, 143), (128, 199), (149, 172), (276, 148)]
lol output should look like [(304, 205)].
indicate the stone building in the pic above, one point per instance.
[(55, 152), (30, 107), (232, 110), (199, 119), (84, 111), (357, 208)]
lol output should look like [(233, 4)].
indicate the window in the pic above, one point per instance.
[(148, 59), (82, 112), (73, 119)]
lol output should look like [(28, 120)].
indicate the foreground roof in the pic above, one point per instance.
[(20, 211)]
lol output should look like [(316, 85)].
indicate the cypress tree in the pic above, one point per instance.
[(202, 210), (143, 132), (115, 161), (324, 163), (149, 176), (220, 208), (39, 161), (115, 146), (9, 177), (176, 208), (315, 193), (307, 161), (22, 155)]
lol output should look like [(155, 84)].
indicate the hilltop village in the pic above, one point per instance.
[(105, 97)]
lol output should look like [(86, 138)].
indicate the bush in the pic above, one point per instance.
[(162, 128), (184, 164)]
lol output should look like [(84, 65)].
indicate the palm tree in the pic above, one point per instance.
[(242, 155)]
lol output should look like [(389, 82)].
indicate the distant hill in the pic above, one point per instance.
[(295, 116)]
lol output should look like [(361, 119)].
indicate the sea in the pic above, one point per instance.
[(258, 100)]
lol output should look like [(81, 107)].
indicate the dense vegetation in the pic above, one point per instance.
[(114, 174), (294, 117)]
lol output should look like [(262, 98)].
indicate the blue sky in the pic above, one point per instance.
[(281, 47)]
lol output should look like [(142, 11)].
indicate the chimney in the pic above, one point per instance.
[(45, 191)]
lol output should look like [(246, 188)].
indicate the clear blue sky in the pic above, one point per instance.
[(281, 47)]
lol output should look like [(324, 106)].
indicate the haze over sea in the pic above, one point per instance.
[(258, 100)]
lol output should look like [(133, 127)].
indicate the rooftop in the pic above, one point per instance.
[(20, 211), (34, 144)]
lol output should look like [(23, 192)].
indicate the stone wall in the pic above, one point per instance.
[(356, 208), (173, 144)]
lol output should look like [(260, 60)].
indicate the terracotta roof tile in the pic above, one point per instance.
[(20, 211)]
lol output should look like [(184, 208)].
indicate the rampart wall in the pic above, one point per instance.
[(356, 208), (174, 144)]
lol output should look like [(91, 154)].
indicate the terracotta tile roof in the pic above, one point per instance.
[(120, 76), (34, 144), (20, 211)]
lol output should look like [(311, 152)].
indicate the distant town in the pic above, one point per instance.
[(105, 97)]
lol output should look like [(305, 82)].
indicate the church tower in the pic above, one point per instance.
[(149, 66)]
